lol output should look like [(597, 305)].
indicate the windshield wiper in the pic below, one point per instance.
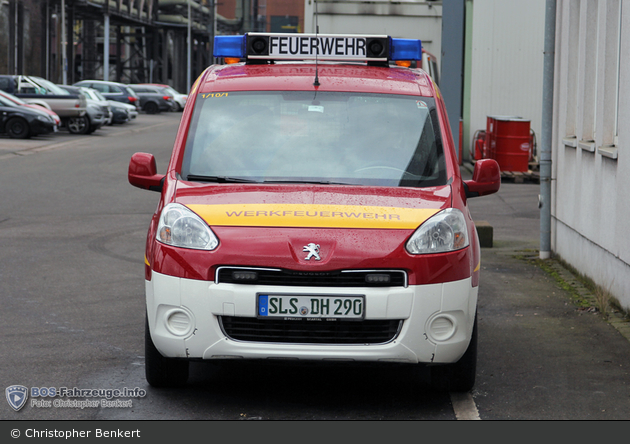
[(218, 179), (227, 179)]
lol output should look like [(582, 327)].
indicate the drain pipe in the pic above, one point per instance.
[(544, 199)]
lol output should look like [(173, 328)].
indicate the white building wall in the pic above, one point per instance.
[(410, 19), (590, 162), (507, 61)]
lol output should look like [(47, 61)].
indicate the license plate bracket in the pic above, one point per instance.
[(310, 306)]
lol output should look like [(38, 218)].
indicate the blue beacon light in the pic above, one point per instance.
[(406, 49), (229, 46)]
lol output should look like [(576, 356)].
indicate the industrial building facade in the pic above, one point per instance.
[(148, 40)]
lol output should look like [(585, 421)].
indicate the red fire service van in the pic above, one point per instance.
[(313, 209)]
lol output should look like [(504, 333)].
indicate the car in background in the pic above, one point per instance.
[(39, 108), (71, 108), (22, 122), (119, 108), (120, 112), (98, 112), (153, 99), (178, 98), (112, 91)]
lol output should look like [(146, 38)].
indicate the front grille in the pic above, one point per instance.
[(302, 331), (336, 278)]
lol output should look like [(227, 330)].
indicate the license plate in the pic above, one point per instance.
[(311, 306)]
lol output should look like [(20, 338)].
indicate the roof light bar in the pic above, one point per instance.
[(278, 46)]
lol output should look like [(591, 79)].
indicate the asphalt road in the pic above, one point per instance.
[(72, 232)]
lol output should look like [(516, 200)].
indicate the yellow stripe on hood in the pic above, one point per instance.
[(308, 215)]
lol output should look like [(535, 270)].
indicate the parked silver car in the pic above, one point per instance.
[(99, 112)]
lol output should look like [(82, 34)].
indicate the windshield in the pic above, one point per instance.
[(6, 102), (98, 95), (12, 98), (171, 91), (307, 137), (50, 87)]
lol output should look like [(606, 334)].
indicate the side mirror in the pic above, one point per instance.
[(143, 172), (486, 179)]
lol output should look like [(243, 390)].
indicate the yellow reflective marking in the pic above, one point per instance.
[(477, 267), (146, 261), (311, 215)]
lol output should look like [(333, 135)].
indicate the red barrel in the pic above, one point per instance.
[(508, 141)]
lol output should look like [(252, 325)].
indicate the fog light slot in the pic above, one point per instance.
[(442, 328), (179, 323)]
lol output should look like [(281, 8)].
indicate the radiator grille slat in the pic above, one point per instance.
[(338, 278), (302, 331)]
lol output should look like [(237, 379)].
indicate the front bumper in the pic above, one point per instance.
[(184, 320)]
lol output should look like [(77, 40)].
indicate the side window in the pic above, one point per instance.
[(99, 87), (27, 87), (7, 84)]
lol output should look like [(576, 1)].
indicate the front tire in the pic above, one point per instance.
[(17, 128), (78, 125), (460, 376), (161, 371)]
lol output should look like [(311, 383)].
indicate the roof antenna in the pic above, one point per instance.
[(316, 82)]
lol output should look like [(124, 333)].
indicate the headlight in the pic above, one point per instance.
[(45, 118), (446, 231), (180, 227)]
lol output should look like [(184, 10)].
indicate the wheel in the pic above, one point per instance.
[(460, 376), (161, 371), (151, 108), (78, 125), (17, 128)]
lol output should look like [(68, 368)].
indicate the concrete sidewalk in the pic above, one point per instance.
[(514, 218)]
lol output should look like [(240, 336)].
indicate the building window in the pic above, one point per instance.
[(588, 66), (572, 73), (611, 57)]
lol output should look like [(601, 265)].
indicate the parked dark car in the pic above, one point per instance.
[(21, 122), (71, 108), (154, 99), (113, 91), (179, 98), (39, 108), (123, 112)]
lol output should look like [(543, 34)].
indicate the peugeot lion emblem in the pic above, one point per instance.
[(313, 251), (16, 396)]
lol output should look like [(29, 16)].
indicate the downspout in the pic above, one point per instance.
[(544, 199)]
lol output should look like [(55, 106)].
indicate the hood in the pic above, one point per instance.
[(312, 206)]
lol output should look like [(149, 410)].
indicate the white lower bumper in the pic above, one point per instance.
[(184, 321)]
